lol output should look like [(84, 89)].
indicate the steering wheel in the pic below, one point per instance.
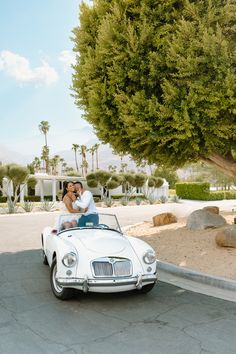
[(103, 226)]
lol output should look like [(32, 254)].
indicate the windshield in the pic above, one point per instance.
[(101, 221)]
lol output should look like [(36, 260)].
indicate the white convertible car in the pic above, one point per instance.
[(98, 258)]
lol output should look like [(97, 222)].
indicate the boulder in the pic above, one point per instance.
[(226, 237), (203, 219), (212, 209), (164, 219)]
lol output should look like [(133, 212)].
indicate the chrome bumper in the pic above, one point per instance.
[(85, 283)]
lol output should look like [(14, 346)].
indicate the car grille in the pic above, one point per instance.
[(112, 267)]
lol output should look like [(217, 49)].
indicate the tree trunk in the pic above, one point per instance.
[(76, 162), (224, 163)]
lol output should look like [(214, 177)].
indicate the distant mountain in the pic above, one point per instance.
[(10, 156), (105, 157)]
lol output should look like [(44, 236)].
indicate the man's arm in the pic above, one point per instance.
[(87, 196)]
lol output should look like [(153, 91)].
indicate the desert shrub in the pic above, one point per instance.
[(108, 201), (175, 199), (28, 206), (163, 199), (151, 199), (46, 205), (124, 200), (138, 201)]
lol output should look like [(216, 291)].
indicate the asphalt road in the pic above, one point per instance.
[(167, 320)]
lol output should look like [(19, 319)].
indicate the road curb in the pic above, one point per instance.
[(198, 277), (189, 274)]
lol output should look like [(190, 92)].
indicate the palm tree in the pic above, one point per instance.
[(96, 146), (45, 157), (61, 162), (92, 150), (75, 147), (44, 128), (64, 165), (35, 164), (123, 167), (84, 165), (54, 163), (112, 168)]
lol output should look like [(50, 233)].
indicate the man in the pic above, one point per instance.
[(85, 201)]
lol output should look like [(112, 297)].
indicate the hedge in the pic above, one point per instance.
[(32, 198), (193, 191), (131, 197), (230, 194), (198, 191)]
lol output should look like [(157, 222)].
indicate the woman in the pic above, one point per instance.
[(68, 197)]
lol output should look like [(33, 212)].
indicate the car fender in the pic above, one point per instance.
[(140, 247), (60, 249)]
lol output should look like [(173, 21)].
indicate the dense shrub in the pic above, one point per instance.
[(96, 199), (3, 199), (131, 197), (230, 194), (218, 195), (32, 198), (197, 191)]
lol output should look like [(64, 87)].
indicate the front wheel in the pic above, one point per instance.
[(59, 291), (146, 288), (45, 260)]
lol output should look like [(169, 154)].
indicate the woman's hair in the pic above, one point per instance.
[(65, 186)]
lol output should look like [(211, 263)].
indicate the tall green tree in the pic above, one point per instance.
[(157, 78)]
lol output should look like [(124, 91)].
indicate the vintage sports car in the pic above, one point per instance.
[(97, 257)]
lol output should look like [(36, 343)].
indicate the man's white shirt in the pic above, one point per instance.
[(86, 201)]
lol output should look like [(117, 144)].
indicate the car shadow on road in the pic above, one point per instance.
[(23, 275)]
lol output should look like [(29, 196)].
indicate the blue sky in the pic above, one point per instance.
[(35, 76)]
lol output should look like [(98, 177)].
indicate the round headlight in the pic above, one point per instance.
[(69, 260), (149, 257)]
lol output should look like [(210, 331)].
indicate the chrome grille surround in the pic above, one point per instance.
[(111, 267)]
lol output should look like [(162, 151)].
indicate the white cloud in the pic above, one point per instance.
[(67, 58), (19, 68)]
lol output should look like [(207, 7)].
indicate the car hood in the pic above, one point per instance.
[(100, 241)]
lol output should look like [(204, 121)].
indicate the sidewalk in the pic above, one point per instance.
[(188, 279)]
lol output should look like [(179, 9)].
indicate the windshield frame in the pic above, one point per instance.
[(93, 227)]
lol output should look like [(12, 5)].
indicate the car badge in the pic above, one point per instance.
[(112, 260)]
